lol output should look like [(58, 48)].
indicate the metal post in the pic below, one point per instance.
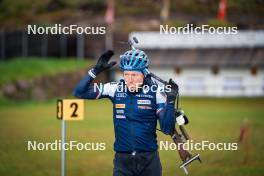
[(3, 46), (80, 46), (63, 45), (63, 139), (109, 38), (109, 19), (24, 44), (44, 45)]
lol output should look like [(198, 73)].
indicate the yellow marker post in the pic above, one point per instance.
[(68, 109)]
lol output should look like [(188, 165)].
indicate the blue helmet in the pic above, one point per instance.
[(134, 60)]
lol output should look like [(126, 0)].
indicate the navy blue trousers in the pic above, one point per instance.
[(140, 164)]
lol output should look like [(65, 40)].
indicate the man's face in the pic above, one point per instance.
[(133, 80)]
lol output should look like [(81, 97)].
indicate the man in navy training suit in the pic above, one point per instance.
[(136, 108)]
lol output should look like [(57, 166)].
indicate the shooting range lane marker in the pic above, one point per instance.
[(68, 109), (63, 141)]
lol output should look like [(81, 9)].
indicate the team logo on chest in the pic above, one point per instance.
[(120, 116), (144, 96), (120, 111), (121, 95), (144, 107), (143, 102), (119, 106)]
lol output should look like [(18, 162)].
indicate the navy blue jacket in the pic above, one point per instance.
[(135, 115)]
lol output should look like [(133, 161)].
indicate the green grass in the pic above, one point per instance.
[(28, 68), (215, 120)]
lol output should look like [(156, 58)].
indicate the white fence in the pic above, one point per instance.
[(202, 81)]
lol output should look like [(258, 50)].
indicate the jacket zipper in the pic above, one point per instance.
[(131, 125)]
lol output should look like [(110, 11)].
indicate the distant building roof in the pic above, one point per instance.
[(245, 49), (231, 57), (155, 40)]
